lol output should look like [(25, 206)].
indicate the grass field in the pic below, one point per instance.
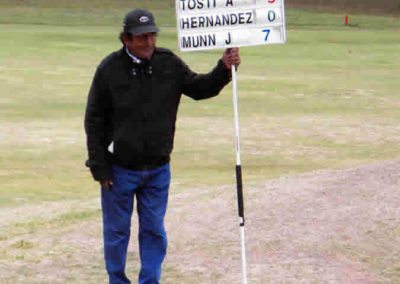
[(328, 99), (358, 6)]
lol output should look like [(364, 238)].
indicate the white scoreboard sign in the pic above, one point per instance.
[(208, 24)]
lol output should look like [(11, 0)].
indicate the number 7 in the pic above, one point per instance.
[(266, 31)]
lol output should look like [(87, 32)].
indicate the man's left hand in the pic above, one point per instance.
[(231, 57)]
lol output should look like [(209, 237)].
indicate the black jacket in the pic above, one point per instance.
[(135, 106)]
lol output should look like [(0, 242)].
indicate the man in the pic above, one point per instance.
[(130, 125)]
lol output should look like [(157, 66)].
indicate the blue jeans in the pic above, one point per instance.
[(151, 190)]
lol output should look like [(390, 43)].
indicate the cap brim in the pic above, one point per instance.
[(143, 30)]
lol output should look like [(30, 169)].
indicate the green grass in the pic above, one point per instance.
[(327, 99), (32, 226)]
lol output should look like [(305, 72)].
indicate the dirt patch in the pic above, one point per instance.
[(322, 227), (40, 136)]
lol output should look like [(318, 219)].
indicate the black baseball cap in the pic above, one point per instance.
[(139, 21)]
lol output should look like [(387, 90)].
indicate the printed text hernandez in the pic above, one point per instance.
[(217, 20)]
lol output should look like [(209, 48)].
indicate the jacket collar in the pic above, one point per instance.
[(123, 53), (133, 57)]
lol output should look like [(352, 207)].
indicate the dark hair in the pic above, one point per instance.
[(124, 34), (129, 36)]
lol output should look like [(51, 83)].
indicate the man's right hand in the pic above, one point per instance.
[(106, 184)]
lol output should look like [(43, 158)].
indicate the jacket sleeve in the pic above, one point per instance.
[(203, 86), (95, 127)]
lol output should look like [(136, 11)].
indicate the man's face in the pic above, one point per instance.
[(142, 45)]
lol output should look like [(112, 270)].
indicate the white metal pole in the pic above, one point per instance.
[(239, 176)]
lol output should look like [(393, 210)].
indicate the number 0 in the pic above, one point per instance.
[(266, 31), (271, 16), (271, 1)]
